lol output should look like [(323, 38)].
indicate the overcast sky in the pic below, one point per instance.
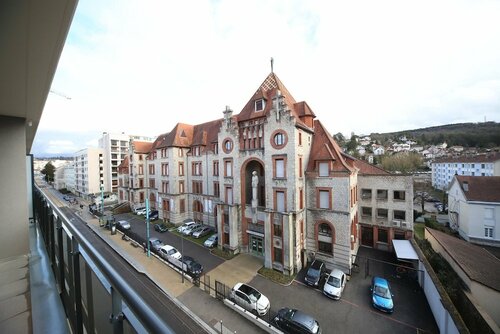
[(141, 66)]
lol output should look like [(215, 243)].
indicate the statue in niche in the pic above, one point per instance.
[(255, 184)]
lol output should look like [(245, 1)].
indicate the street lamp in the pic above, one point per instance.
[(182, 259)]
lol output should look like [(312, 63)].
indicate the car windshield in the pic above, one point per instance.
[(334, 281), (156, 242), (212, 238), (381, 291), (254, 295), (313, 272)]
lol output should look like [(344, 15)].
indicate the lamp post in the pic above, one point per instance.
[(182, 259), (147, 226), (102, 204)]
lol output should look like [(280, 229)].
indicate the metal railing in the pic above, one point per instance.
[(95, 296)]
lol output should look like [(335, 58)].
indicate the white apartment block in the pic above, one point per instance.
[(444, 170), (89, 171), (115, 148), (271, 180), (69, 176)]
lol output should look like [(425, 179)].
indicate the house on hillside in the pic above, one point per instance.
[(474, 208)]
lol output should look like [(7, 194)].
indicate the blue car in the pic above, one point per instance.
[(381, 295)]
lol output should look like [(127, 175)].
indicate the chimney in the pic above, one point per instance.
[(466, 186)]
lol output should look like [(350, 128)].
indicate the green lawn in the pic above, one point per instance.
[(418, 228)]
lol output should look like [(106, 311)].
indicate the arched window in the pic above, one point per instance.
[(325, 238)]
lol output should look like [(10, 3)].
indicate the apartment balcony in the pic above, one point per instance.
[(99, 291)]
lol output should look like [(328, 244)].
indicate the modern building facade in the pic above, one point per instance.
[(474, 208), (115, 149), (444, 170), (90, 173), (271, 180)]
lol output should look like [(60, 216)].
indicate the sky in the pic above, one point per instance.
[(141, 66)]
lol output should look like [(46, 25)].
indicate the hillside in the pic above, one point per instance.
[(483, 135)]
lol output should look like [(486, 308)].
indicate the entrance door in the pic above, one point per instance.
[(367, 236), (256, 245)]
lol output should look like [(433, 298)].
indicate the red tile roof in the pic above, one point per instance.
[(325, 148), (141, 146), (267, 90), (123, 165), (368, 169), (479, 264), (480, 188)]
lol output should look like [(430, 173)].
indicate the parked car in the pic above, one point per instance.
[(161, 227), (123, 225), (192, 267), (381, 295), (295, 321), (201, 232), (315, 273), (334, 284), (140, 210), (184, 226), (211, 241), (190, 229), (169, 253), (250, 299), (153, 215), (155, 244)]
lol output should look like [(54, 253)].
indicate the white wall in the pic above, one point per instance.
[(13, 188)]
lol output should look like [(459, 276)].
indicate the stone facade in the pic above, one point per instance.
[(307, 191)]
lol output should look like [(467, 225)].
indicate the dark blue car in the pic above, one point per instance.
[(381, 295)]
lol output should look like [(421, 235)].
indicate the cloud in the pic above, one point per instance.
[(61, 146), (140, 67)]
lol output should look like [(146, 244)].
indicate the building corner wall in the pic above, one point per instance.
[(13, 188)]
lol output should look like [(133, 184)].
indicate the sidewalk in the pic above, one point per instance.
[(209, 310)]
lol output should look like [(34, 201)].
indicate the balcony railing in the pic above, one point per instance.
[(96, 294)]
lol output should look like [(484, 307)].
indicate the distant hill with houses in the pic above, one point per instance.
[(481, 135)]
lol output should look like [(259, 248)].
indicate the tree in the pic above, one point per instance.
[(352, 144), (48, 171)]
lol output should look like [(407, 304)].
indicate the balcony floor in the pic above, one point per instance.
[(15, 297)]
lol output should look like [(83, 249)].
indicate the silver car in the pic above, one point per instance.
[(201, 231)]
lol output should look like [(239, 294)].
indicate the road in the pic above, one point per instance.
[(150, 293), (185, 246)]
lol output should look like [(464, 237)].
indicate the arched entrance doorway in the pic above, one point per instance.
[(252, 222)]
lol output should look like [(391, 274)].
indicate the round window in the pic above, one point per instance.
[(227, 145), (279, 139)]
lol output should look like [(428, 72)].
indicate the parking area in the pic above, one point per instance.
[(183, 245), (353, 313)]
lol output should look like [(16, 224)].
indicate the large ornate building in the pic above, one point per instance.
[(271, 180)]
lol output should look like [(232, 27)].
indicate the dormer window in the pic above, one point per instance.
[(260, 104)]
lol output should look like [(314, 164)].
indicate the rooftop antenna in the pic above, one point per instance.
[(272, 63)]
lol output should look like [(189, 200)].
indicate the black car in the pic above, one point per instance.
[(161, 228), (295, 321), (154, 244), (153, 215), (192, 268), (315, 273)]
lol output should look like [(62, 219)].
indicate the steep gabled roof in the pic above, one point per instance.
[(206, 133), (325, 148), (180, 136), (158, 141), (124, 164), (267, 90), (142, 146), (480, 188)]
